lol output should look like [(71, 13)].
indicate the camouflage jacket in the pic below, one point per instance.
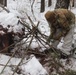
[(64, 18)]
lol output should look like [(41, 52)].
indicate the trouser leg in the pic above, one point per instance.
[(67, 44)]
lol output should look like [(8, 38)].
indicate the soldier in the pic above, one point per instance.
[(61, 23)]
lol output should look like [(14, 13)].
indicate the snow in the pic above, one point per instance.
[(18, 8), (12, 20), (31, 66)]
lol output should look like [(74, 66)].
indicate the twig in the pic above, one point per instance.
[(21, 21), (54, 50), (30, 20), (12, 54), (7, 48), (26, 49), (41, 34), (32, 8), (37, 53), (23, 56), (14, 43), (39, 39), (8, 65)]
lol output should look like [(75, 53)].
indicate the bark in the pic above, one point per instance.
[(49, 2), (3, 2), (62, 4), (73, 3), (42, 6)]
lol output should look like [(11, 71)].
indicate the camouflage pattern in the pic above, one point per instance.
[(60, 21)]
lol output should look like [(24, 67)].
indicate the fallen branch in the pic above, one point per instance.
[(37, 53), (23, 56)]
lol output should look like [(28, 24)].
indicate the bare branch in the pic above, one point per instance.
[(32, 8)]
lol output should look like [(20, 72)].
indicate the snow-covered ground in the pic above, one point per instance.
[(19, 8), (28, 67)]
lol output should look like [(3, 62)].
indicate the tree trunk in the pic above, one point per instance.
[(42, 6), (3, 2), (62, 4), (73, 3), (49, 3)]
